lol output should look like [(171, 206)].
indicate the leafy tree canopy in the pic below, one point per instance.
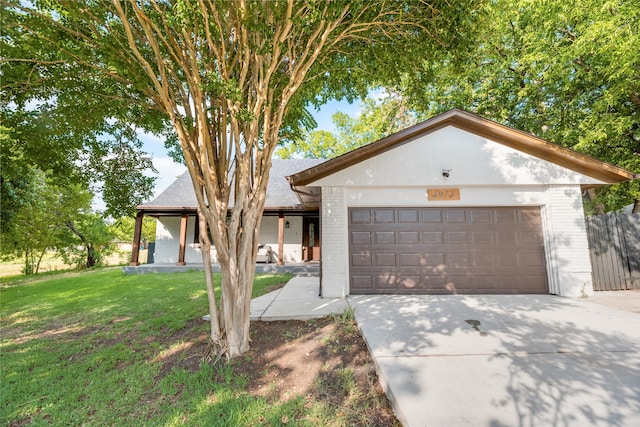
[(568, 72), (61, 120), (378, 118)]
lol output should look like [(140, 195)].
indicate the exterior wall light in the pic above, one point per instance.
[(446, 172)]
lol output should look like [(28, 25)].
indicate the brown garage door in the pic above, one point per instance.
[(446, 250)]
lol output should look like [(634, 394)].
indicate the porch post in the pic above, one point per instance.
[(183, 238), (137, 233), (281, 238)]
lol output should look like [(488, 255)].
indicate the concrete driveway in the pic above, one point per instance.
[(521, 360)]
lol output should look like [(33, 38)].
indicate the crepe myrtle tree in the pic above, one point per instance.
[(234, 79)]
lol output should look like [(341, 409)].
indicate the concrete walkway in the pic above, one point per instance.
[(297, 300), (502, 360)]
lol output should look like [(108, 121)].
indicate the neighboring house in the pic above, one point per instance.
[(287, 227), (455, 204)]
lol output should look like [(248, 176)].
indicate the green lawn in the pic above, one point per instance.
[(86, 348)]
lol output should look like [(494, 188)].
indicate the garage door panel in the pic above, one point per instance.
[(387, 281), (360, 216), (408, 216), (384, 216), (481, 216), (410, 283), (411, 260), (505, 216), (386, 259), (361, 284), (532, 259), (433, 237), (457, 238), (506, 238), (385, 238), (530, 238), (408, 237), (361, 260), (456, 216), (461, 260), (452, 250), (361, 238), (432, 216), (483, 238)]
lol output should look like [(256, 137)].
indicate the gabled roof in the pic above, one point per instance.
[(513, 138), (180, 196)]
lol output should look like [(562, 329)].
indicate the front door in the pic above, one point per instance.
[(311, 239)]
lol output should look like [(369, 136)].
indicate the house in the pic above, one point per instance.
[(455, 204), (287, 226)]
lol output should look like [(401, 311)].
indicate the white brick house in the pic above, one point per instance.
[(456, 204)]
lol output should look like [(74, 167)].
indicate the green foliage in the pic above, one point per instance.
[(42, 212), (378, 118), (568, 72), (89, 241), (40, 218), (124, 227), (72, 128)]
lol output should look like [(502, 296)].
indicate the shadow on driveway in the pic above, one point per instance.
[(504, 360)]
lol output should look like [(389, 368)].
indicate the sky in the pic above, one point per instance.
[(168, 170)]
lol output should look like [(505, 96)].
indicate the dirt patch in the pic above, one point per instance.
[(322, 360)]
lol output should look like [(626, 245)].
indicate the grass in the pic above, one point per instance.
[(52, 264), (87, 348)]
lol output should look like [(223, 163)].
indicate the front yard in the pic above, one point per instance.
[(101, 348)]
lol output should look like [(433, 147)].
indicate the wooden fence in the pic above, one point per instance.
[(614, 243)]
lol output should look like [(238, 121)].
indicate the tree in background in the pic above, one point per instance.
[(233, 79), (88, 241), (568, 72), (39, 214), (41, 220), (105, 160), (378, 118), (123, 229)]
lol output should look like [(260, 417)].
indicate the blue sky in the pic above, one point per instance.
[(168, 170)]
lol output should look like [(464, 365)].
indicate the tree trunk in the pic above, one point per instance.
[(597, 205), (237, 264), (636, 206), (39, 261), (91, 258), (216, 337), (28, 263)]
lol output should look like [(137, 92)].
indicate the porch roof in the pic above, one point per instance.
[(180, 195)]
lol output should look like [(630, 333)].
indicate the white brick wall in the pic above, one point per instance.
[(335, 262), (566, 242)]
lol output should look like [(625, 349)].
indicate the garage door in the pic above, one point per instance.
[(446, 250)]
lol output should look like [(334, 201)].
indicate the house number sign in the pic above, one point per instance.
[(443, 194)]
